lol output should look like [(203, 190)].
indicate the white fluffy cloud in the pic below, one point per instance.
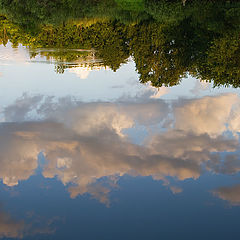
[(84, 142), (206, 115), (18, 157)]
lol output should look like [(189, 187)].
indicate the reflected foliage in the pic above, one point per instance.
[(167, 39)]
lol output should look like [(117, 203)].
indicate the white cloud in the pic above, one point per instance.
[(200, 86), (81, 72), (84, 142), (9, 55), (205, 115), (157, 92)]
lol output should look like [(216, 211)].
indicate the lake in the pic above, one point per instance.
[(119, 120)]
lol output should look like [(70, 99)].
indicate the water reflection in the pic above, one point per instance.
[(165, 48), (79, 61), (231, 194), (32, 225), (84, 142), (10, 228), (90, 151)]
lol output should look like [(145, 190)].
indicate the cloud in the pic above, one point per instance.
[(9, 227), (83, 71), (18, 154), (85, 142), (96, 190), (22, 107), (157, 92), (175, 189), (82, 159), (9, 55), (206, 115), (234, 119), (200, 86), (86, 116), (80, 72), (230, 194), (230, 165)]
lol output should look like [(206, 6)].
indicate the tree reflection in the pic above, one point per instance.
[(167, 39)]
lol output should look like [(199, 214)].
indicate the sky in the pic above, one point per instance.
[(99, 133)]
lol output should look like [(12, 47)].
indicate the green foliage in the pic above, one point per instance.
[(223, 62), (156, 59), (166, 12), (166, 39), (131, 5)]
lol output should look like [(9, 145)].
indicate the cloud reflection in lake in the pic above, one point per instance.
[(84, 142)]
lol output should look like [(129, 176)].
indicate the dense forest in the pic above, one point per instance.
[(167, 39)]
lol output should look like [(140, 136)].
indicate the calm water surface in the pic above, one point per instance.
[(95, 154), (90, 149)]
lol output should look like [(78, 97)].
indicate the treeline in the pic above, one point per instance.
[(200, 39), (31, 13)]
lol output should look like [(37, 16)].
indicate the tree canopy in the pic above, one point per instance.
[(167, 39)]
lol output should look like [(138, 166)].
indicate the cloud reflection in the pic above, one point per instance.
[(84, 142), (230, 194), (9, 227), (12, 228)]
